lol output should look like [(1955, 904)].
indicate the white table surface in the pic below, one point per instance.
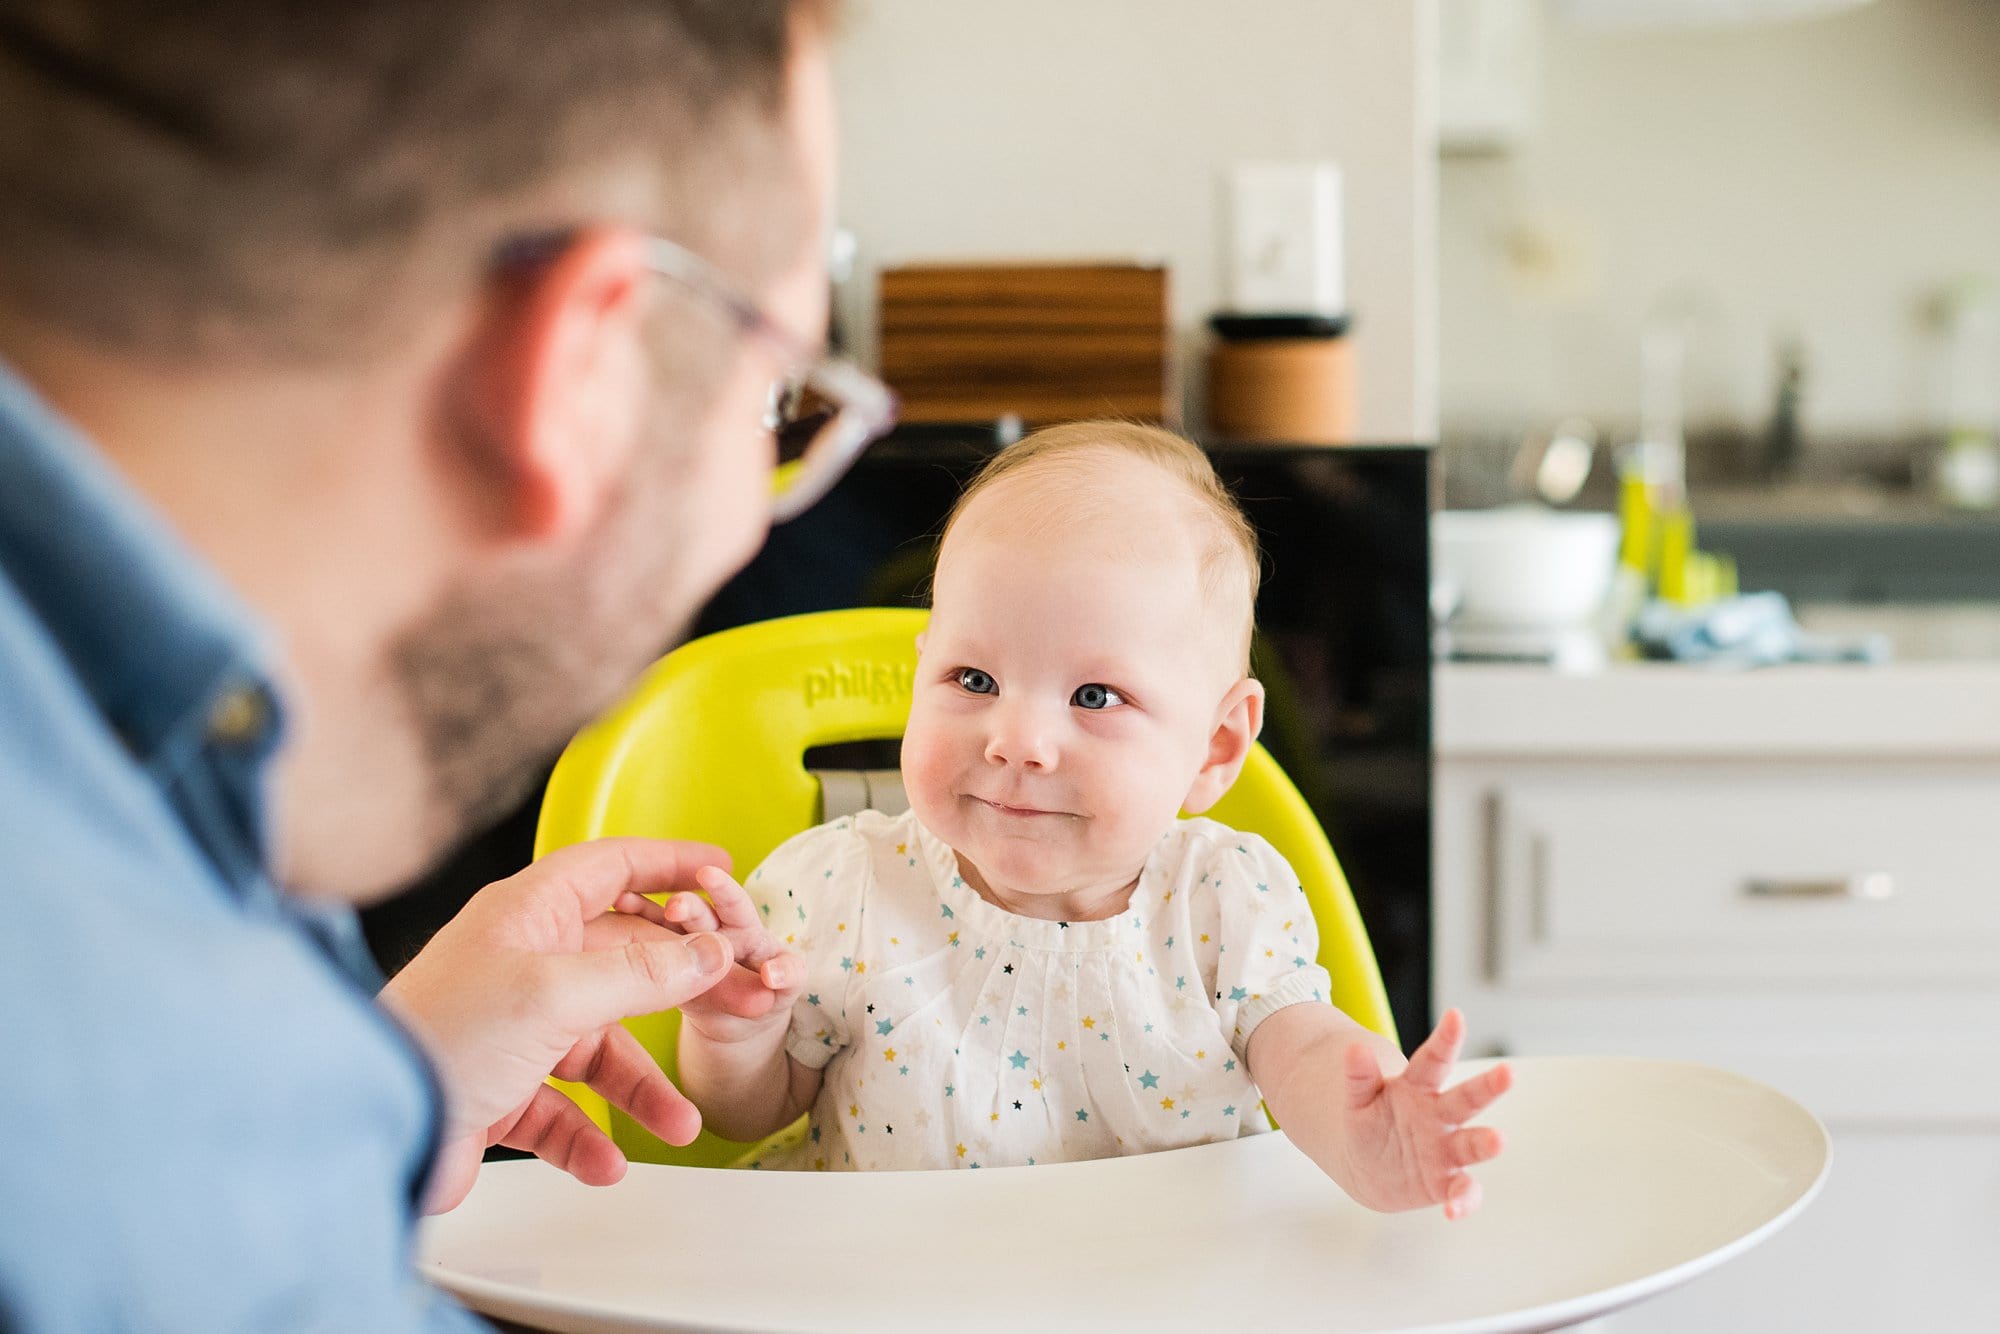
[(1621, 1178)]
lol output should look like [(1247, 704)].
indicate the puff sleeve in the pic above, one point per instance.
[(1268, 940), (811, 892)]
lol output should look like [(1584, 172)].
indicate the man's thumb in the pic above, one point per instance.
[(599, 987)]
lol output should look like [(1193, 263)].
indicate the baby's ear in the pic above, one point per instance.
[(1238, 721)]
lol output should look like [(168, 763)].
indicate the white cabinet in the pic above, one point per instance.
[(1792, 874)]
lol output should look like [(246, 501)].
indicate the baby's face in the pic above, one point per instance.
[(1064, 703)]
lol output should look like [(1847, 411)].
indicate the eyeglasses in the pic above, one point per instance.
[(823, 411)]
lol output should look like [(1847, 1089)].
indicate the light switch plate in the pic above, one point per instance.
[(1285, 239)]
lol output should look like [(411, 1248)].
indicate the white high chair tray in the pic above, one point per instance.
[(1621, 1178)]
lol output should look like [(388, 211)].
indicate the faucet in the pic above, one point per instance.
[(1781, 441)]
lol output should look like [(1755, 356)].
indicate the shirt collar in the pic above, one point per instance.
[(151, 632)]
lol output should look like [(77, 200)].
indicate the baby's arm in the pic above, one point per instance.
[(733, 1063), (749, 1087), (1385, 1129)]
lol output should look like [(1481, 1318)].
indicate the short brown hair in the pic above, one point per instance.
[(1074, 458), (294, 177)]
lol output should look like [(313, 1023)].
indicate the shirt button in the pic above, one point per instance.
[(238, 717)]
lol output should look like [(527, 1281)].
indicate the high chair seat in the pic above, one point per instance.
[(712, 745)]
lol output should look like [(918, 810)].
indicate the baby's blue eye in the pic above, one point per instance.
[(1095, 696), (975, 682)]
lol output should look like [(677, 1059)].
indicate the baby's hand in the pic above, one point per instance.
[(757, 993), (1407, 1142)]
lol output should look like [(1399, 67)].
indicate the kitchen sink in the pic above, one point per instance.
[(1851, 545)]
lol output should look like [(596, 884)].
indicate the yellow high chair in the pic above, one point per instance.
[(711, 746)]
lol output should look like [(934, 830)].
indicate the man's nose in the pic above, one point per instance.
[(1021, 735)]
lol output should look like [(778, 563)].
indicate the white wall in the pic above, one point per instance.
[(1102, 128), (1826, 176)]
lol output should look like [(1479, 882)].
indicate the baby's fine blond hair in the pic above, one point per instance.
[(1077, 475)]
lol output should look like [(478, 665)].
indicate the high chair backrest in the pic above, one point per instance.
[(711, 745)]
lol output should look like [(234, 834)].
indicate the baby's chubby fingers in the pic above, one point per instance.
[(764, 979), (1463, 1101), (691, 912), (1461, 1197), (783, 973), (684, 912), (1430, 1064), (732, 903), (1478, 1144), (753, 990)]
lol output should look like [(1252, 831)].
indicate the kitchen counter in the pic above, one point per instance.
[(1668, 710), (1963, 632)]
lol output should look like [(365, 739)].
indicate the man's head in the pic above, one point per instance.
[(358, 293), (277, 180), (1083, 676)]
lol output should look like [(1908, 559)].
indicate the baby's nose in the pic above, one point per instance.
[(1020, 737)]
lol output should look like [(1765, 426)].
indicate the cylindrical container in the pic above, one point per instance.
[(1282, 390)]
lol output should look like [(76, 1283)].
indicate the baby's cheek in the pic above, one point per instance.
[(925, 768)]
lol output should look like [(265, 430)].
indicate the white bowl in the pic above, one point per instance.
[(1523, 567)]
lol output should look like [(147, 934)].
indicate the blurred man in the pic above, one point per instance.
[(380, 385)]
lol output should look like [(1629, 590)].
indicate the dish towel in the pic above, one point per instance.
[(1754, 630)]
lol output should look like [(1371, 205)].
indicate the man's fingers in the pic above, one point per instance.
[(1430, 1065), (1465, 1100), (555, 1130), (633, 904), (622, 928), (584, 992), (452, 1175), (580, 881), (612, 1062)]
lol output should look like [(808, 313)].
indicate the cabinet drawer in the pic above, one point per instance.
[(1621, 874)]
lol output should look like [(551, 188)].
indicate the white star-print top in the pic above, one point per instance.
[(953, 1033)]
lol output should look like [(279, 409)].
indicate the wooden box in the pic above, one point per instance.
[(1045, 342)]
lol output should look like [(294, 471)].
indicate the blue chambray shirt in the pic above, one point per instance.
[(205, 1122)]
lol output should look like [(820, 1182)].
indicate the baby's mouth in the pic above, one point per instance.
[(1018, 812)]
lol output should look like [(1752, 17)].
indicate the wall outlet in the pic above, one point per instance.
[(1285, 239)]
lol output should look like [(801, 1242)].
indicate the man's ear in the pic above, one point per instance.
[(1238, 721), (550, 392)]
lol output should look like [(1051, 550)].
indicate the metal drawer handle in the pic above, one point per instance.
[(1872, 885)]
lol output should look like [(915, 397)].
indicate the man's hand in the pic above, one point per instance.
[(531, 979)]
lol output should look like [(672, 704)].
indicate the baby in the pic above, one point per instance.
[(1040, 962)]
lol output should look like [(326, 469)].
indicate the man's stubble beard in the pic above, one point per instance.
[(502, 673), (497, 678)]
